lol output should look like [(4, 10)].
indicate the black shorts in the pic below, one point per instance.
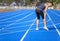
[(39, 13)]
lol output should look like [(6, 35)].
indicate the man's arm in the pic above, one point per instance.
[(46, 7)]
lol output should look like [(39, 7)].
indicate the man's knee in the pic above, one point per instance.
[(44, 20)]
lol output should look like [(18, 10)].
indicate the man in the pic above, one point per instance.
[(41, 11)]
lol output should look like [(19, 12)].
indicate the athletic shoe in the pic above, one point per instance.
[(37, 28), (45, 28)]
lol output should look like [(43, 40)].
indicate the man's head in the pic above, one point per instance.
[(50, 4)]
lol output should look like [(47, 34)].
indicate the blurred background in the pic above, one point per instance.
[(25, 3)]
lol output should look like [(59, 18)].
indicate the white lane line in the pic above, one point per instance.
[(28, 21), (24, 30), (54, 25), (56, 14), (16, 21), (14, 16), (12, 12), (31, 21), (27, 31), (8, 15), (26, 25)]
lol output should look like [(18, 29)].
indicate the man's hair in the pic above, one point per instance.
[(51, 3)]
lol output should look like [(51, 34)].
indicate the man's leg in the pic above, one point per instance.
[(37, 24), (44, 19), (37, 21), (45, 27)]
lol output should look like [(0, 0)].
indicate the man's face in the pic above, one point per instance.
[(49, 4)]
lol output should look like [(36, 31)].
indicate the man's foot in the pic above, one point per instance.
[(45, 28), (37, 28)]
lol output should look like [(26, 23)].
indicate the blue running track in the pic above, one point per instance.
[(20, 25)]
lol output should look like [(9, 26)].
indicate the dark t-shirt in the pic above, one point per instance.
[(40, 6)]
